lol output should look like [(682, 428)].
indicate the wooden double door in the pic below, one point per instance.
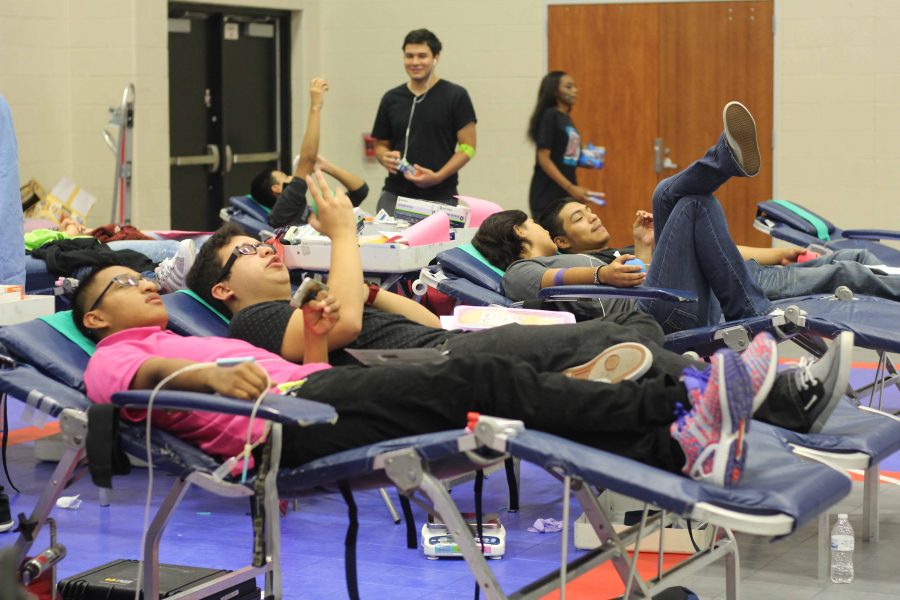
[(652, 80)]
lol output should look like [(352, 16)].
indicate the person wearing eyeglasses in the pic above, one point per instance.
[(424, 128)]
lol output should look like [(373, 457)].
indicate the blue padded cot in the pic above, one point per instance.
[(249, 215), (464, 274), (772, 500), (790, 222)]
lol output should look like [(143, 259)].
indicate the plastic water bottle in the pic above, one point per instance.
[(842, 551)]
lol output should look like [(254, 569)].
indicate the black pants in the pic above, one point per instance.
[(554, 348), (380, 403)]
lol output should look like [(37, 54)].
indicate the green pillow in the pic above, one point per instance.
[(65, 324), (474, 253), (194, 295)]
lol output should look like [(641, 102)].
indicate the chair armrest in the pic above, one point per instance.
[(871, 234), (578, 292), (287, 410)]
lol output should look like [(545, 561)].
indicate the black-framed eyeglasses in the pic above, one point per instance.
[(242, 250), (120, 280)]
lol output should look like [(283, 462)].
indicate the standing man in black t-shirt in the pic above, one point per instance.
[(427, 123)]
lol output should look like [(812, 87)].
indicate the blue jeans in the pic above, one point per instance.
[(694, 250), (824, 274)]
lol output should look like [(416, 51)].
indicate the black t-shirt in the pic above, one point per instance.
[(557, 133), (264, 324), (291, 209), (445, 109)]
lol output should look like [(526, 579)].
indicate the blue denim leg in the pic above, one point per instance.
[(701, 178), (156, 250), (695, 252), (824, 274)]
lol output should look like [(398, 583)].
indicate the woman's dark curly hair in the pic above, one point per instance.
[(497, 240)]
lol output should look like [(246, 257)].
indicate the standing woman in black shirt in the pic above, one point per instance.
[(558, 144)]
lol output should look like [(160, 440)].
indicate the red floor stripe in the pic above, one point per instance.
[(29, 434), (604, 582)]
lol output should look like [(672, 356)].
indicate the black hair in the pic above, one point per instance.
[(550, 220), (207, 266), (547, 95), (261, 188), (80, 302), (423, 36), (497, 239)]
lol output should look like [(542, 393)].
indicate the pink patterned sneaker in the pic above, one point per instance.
[(711, 434), (761, 360)]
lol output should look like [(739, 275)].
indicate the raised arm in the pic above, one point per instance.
[(309, 148)]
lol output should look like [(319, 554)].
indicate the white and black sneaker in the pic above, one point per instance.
[(6, 520), (171, 274), (740, 131), (822, 382)]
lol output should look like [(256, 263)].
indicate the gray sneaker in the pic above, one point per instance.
[(822, 383), (740, 131)]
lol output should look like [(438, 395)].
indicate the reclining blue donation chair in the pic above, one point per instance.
[(43, 366), (790, 222), (855, 437), (248, 214)]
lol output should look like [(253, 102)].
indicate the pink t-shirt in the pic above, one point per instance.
[(119, 356)]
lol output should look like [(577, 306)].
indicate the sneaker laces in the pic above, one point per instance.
[(681, 414), (695, 379), (804, 375)]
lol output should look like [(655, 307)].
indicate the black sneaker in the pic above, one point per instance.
[(740, 131), (821, 383)]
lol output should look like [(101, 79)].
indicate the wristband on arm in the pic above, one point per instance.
[(467, 150), (597, 275), (373, 292), (558, 277)]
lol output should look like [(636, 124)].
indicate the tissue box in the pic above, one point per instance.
[(27, 309), (413, 211)]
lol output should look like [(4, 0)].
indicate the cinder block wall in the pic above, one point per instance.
[(63, 62)]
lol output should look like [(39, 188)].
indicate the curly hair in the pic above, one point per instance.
[(497, 239), (204, 273)]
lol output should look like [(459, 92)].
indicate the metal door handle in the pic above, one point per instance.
[(229, 160), (657, 155), (254, 157), (668, 164), (210, 159)]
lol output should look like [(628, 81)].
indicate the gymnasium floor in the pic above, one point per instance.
[(212, 532)]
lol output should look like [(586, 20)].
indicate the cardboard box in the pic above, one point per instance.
[(12, 293), (26, 310), (676, 541), (413, 211)]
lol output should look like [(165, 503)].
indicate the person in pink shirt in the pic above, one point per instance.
[(694, 425)]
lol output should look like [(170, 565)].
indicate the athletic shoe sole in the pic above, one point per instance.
[(735, 402), (843, 346), (740, 130), (628, 360)]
